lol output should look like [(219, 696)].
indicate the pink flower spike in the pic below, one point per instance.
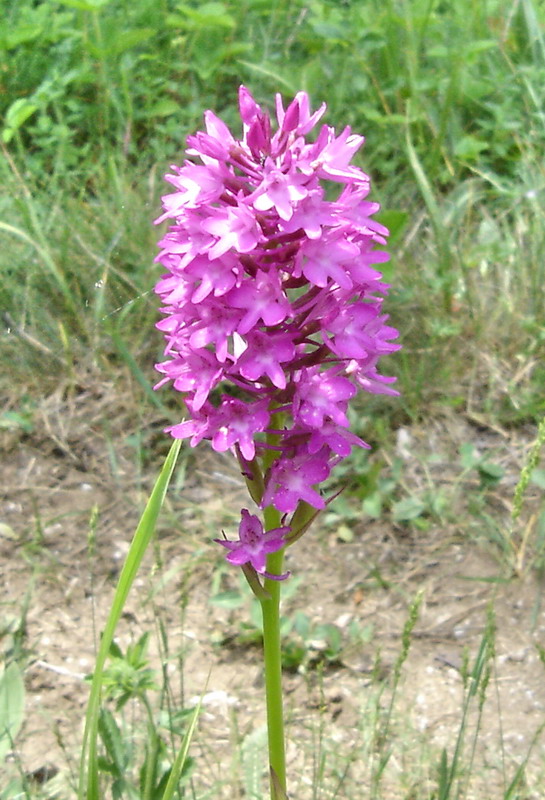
[(270, 286), (254, 544)]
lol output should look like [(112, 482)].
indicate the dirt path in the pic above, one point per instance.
[(73, 474)]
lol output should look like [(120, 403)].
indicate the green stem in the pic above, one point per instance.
[(152, 752), (273, 659)]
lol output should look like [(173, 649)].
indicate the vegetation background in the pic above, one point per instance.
[(96, 99)]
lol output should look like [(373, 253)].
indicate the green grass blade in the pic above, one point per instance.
[(88, 776), (12, 706), (139, 376), (535, 35), (444, 782), (178, 765), (47, 259), (445, 270)]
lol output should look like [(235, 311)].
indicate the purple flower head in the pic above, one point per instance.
[(254, 544), (273, 290)]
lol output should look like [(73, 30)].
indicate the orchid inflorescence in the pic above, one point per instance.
[(271, 291)]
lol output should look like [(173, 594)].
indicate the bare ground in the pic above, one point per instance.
[(75, 472)]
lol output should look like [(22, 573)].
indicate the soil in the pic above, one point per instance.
[(71, 497)]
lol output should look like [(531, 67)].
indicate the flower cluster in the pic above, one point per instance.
[(271, 290)]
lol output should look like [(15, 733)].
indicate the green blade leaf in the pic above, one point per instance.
[(88, 774), (12, 706), (181, 758)]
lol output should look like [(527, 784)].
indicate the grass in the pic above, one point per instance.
[(450, 102), (96, 99)]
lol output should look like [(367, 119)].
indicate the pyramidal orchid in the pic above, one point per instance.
[(272, 315), (271, 289)]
